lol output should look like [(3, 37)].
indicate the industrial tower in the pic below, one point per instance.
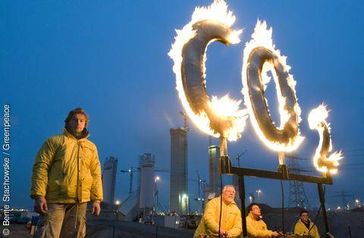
[(179, 171), (146, 199), (214, 169), (109, 179)]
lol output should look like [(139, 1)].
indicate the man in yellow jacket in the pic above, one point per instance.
[(230, 225), (256, 227), (305, 226), (66, 175)]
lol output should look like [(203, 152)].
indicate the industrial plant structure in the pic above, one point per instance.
[(109, 179), (214, 170), (179, 171), (146, 198)]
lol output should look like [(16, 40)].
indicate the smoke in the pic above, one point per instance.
[(169, 120)]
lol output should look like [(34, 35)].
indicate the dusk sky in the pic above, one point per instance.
[(110, 57)]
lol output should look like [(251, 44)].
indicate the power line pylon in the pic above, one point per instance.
[(297, 195), (343, 195)]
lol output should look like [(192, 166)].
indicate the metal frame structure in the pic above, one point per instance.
[(281, 174)]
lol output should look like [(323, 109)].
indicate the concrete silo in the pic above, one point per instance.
[(109, 179), (214, 169), (146, 197), (179, 171)]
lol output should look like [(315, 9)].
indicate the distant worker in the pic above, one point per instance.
[(256, 227), (230, 225), (305, 227), (66, 175)]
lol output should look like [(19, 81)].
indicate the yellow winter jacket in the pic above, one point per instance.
[(257, 228), (67, 170), (230, 219), (301, 229)]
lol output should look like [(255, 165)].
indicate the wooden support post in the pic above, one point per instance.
[(322, 201)]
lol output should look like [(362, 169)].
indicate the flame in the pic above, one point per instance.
[(317, 116), (262, 37), (228, 109), (322, 162), (225, 107)]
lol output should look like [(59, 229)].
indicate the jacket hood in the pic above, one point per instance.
[(84, 134)]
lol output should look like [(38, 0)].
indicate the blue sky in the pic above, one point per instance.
[(110, 57)]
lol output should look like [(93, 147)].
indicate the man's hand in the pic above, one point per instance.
[(40, 205), (276, 234), (223, 233), (96, 209)]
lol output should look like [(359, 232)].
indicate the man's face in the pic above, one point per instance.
[(304, 217), (228, 195), (78, 123), (256, 211)]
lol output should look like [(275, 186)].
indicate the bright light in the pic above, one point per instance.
[(157, 178), (117, 202), (338, 208), (258, 192)]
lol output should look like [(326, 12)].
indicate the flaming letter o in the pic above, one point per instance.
[(260, 56), (258, 105)]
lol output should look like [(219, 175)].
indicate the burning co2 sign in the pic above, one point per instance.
[(222, 117)]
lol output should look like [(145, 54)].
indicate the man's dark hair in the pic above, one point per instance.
[(250, 207), (75, 111), (303, 211)]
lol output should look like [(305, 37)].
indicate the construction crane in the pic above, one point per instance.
[(239, 156), (185, 125), (201, 186), (131, 172), (236, 178)]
